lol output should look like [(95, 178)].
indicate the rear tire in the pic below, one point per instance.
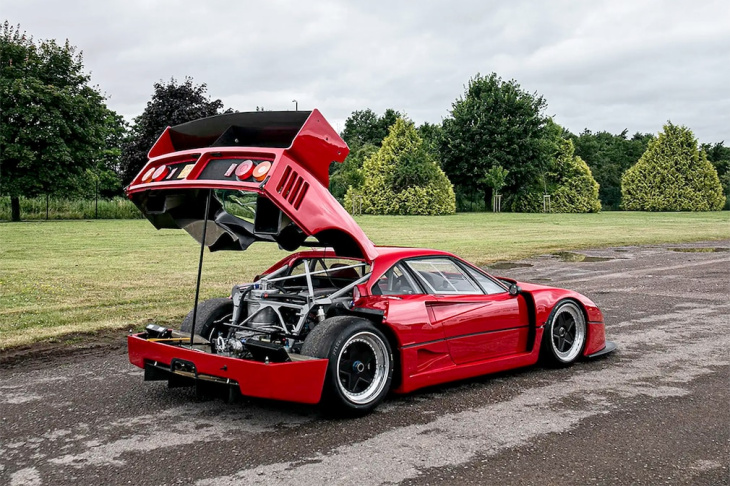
[(565, 335), (209, 312), (360, 368)]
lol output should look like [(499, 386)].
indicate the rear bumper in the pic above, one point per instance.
[(295, 381)]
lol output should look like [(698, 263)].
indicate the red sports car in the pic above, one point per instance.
[(344, 322)]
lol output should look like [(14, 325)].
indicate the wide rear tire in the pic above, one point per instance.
[(360, 368), (209, 312)]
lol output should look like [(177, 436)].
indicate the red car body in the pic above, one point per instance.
[(435, 336)]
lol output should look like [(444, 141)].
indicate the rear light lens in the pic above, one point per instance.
[(355, 293), (160, 173), (259, 173), (244, 170), (147, 177)]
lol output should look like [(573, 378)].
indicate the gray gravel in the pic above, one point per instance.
[(655, 412)]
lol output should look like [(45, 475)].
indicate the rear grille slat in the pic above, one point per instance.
[(283, 179), (292, 187), (292, 180), (295, 190), (302, 193)]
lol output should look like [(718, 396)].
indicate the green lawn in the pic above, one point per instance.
[(75, 276)]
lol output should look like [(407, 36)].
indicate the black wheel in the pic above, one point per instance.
[(565, 334), (360, 366), (209, 312)]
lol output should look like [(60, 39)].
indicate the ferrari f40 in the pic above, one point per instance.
[(342, 322)]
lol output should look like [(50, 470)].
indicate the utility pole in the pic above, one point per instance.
[(296, 105)]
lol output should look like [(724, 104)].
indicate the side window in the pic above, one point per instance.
[(443, 276), (395, 281), (489, 285)]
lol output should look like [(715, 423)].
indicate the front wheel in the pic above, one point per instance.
[(360, 367), (565, 334)]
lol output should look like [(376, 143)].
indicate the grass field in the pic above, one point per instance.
[(66, 277)]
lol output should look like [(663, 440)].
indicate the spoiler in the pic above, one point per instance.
[(306, 134)]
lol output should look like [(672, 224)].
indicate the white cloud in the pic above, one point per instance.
[(601, 65)]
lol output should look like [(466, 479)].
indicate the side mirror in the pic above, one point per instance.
[(514, 289)]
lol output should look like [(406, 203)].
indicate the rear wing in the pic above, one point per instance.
[(314, 143), (281, 157)]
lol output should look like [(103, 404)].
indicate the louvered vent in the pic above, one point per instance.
[(292, 187)]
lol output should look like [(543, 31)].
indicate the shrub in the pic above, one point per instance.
[(527, 200), (672, 175), (349, 173), (569, 182), (402, 177)]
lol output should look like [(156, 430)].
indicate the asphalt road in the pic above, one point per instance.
[(655, 412)]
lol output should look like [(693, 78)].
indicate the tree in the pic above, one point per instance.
[(431, 135), (364, 133), (570, 183), (349, 174), (52, 123), (103, 178), (495, 123), (365, 127), (172, 103), (496, 178), (608, 157), (402, 177), (672, 175), (719, 157)]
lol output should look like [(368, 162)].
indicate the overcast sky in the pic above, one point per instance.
[(602, 65)]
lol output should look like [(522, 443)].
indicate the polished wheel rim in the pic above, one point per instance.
[(568, 332), (362, 367)]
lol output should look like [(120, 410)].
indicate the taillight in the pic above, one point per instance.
[(147, 177), (355, 293), (259, 173), (244, 170), (160, 173)]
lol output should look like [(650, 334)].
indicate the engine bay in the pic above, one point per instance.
[(272, 316)]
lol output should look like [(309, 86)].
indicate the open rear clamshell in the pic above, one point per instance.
[(279, 194)]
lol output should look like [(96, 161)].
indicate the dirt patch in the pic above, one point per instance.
[(75, 344), (569, 256), (508, 265)]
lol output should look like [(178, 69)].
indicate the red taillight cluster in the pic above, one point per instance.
[(259, 173), (245, 170), (147, 177), (160, 173)]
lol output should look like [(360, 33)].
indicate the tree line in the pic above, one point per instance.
[(497, 139), (58, 137)]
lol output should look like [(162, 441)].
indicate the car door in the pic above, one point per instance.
[(479, 318)]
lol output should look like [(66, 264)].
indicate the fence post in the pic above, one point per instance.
[(546, 203), (47, 197), (356, 204)]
